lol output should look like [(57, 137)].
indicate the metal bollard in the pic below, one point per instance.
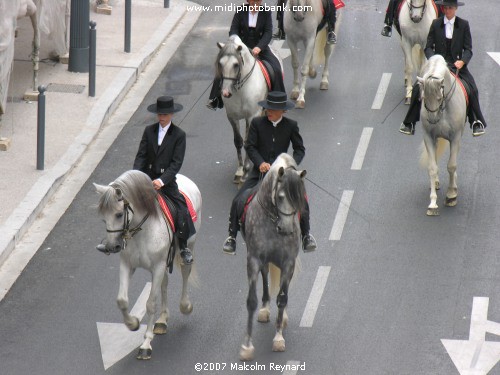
[(92, 58), (166, 3), (128, 24), (40, 134)]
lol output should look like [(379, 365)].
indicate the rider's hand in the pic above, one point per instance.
[(264, 167), (157, 184), (256, 51), (459, 64)]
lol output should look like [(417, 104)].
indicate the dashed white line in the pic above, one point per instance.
[(359, 157), (382, 89), (315, 296), (495, 56), (291, 368), (341, 217)]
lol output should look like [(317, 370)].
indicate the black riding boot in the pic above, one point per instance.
[(308, 241), (229, 246), (413, 115), (186, 255), (215, 98), (331, 18), (389, 18)]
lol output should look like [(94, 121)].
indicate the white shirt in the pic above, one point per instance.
[(161, 132), (252, 19), (448, 25), (275, 123)]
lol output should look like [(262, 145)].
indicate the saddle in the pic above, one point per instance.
[(267, 71), (170, 211)]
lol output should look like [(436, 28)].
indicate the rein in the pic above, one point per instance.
[(238, 82), (127, 232), (442, 105), (411, 7)]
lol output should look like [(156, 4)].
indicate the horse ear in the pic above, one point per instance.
[(302, 174), (281, 172), (220, 45), (99, 188)]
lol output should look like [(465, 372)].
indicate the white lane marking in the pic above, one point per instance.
[(341, 217), (359, 157), (292, 367), (115, 338), (381, 91), (495, 56), (315, 296), (278, 46), (476, 356)]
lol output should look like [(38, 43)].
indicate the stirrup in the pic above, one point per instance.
[(387, 30), (212, 104), (407, 129), (229, 246), (332, 37), (477, 128)]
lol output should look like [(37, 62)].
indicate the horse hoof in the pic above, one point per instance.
[(247, 352), (160, 329), (312, 73), (144, 354), (279, 346), (294, 95), (301, 104), (323, 86), (407, 101), (264, 316), (450, 202), (134, 325), (433, 212), (187, 308), (236, 179)]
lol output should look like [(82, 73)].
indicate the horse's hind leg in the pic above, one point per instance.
[(301, 101), (126, 273), (324, 78), (452, 193), (145, 350), (265, 311), (430, 145), (295, 66), (160, 327), (247, 349), (282, 300)]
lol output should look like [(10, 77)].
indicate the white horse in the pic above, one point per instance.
[(415, 19), (301, 24), (136, 228), (443, 116), (243, 86)]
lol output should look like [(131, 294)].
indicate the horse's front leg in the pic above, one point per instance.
[(452, 193), (265, 311), (185, 306), (126, 273), (238, 144), (430, 145), (326, 73), (295, 66), (282, 300), (145, 350), (247, 349), (308, 55), (407, 51), (161, 324)]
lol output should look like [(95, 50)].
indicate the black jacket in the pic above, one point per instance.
[(162, 161), (265, 142), (264, 28), (461, 43)]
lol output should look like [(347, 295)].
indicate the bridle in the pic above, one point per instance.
[(238, 81), (411, 7), (126, 231), (442, 103)]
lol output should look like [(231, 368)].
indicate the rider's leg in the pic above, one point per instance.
[(413, 115), (277, 83), (215, 98), (331, 18), (280, 34), (308, 241), (389, 18), (476, 118)]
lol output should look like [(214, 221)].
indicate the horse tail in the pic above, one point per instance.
[(442, 145), (275, 277), (319, 48)]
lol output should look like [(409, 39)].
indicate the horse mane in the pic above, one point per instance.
[(434, 70), (136, 188), (230, 49)]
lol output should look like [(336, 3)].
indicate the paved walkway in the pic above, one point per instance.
[(73, 119)]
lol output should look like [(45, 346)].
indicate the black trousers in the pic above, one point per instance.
[(473, 112), (391, 11), (238, 204), (184, 226)]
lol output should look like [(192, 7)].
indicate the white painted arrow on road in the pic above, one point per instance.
[(476, 356), (115, 338), (495, 56), (278, 46)]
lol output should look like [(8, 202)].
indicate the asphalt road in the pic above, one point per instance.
[(398, 281)]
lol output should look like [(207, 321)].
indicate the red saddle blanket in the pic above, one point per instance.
[(463, 87), (168, 214), (265, 73), (338, 4)]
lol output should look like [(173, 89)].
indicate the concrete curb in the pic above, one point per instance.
[(18, 223)]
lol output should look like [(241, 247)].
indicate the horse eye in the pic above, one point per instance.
[(236, 65), (119, 215)]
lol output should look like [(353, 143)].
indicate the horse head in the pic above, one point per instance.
[(299, 9), (432, 88), (417, 10), (230, 64)]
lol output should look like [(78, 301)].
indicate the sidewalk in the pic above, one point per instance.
[(73, 119)]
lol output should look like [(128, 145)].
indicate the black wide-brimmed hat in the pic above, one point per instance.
[(450, 3), (165, 105), (277, 100)]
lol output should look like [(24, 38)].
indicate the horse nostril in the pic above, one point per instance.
[(117, 248)]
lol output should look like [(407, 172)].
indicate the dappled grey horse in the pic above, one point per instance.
[(272, 234), (136, 229), (443, 116)]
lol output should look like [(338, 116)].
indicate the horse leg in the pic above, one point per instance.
[(265, 311), (326, 73), (301, 102), (432, 168), (282, 300), (160, 327), (295, 65), (35, 54), (407, 50), (185, 305), (238, 143), (247, 349), (126, 273), (452, 193), (145, 350)]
